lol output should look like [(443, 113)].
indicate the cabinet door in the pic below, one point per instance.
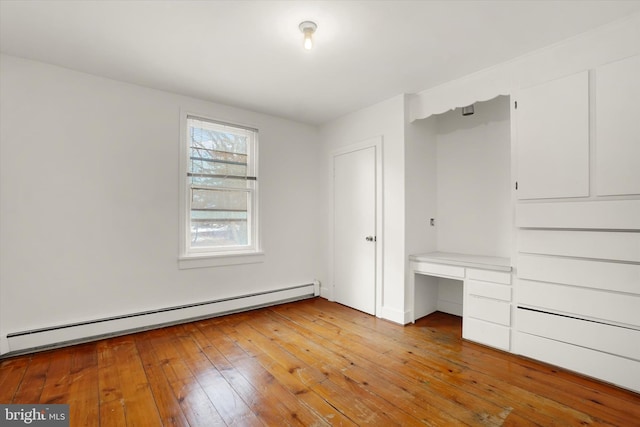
[(553, 139), (618, 127)]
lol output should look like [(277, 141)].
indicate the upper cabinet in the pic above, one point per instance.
[(617, 127), (553, 139)]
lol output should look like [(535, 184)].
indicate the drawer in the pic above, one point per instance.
[(488, 309), (601, 245), (608, 367), (438, 269), (609, 307), (486, 333), (489, 276), (489, 290), (603, 275), (616, 340)]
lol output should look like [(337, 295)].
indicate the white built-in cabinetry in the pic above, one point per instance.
[(577, 289), (578, 300), (553, 139), (573, 299), (617, 127), (487, 308), (578, 129)]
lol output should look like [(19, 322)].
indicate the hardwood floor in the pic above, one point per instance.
[(308, 363)]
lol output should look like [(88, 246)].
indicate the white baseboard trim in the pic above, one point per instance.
[(63, 335), (395, 315), (450, 307), (326, 292)]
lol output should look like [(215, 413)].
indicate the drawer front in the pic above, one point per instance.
[(489, 290), (608, 307), (489, 276), (602, 245), (611, 276), (608, 367), (486, 333), (597, 336), (488, 309), (438, 269)]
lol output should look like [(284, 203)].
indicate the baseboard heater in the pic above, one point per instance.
[(75, 333)]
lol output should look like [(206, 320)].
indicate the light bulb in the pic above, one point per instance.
[(308, 28), (308, 41)]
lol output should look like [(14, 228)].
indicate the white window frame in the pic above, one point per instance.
[(211, 257)]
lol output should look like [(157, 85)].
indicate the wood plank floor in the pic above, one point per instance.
[(308, 363)]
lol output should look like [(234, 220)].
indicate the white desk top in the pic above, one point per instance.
[(464, 260)]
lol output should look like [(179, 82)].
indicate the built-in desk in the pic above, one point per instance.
[(464, 260), (487, 293)]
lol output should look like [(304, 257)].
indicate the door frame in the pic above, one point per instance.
[(377, 143)]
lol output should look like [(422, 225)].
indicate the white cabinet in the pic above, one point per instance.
[(487, 308), (486, 297), (577, 297), (553, 139), (618, 127)]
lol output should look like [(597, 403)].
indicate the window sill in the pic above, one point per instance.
[(208, 260)]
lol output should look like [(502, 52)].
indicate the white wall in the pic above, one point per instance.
[(420, 185), (474, 182), (420, 202), (384, 119), (89, 200)]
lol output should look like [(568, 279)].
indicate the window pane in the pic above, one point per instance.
[(219, 218), (216, 140), (218, 233)]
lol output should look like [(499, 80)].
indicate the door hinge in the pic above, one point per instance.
[(515, 105), (516, 185)]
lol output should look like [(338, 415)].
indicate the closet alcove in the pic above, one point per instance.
[(465, 172)]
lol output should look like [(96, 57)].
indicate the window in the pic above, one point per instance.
[(220, 189)]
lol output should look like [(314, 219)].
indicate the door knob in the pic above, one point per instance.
[(370, 239)]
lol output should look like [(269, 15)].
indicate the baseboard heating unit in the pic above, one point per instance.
[(91, 330)]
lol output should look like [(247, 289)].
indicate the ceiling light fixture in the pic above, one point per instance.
[(308, 28)]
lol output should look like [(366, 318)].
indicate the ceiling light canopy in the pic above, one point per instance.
[(308, 28)]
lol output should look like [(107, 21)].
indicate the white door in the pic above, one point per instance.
[(354, 252)]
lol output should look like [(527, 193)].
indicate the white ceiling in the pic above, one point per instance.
[(249, 53)]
